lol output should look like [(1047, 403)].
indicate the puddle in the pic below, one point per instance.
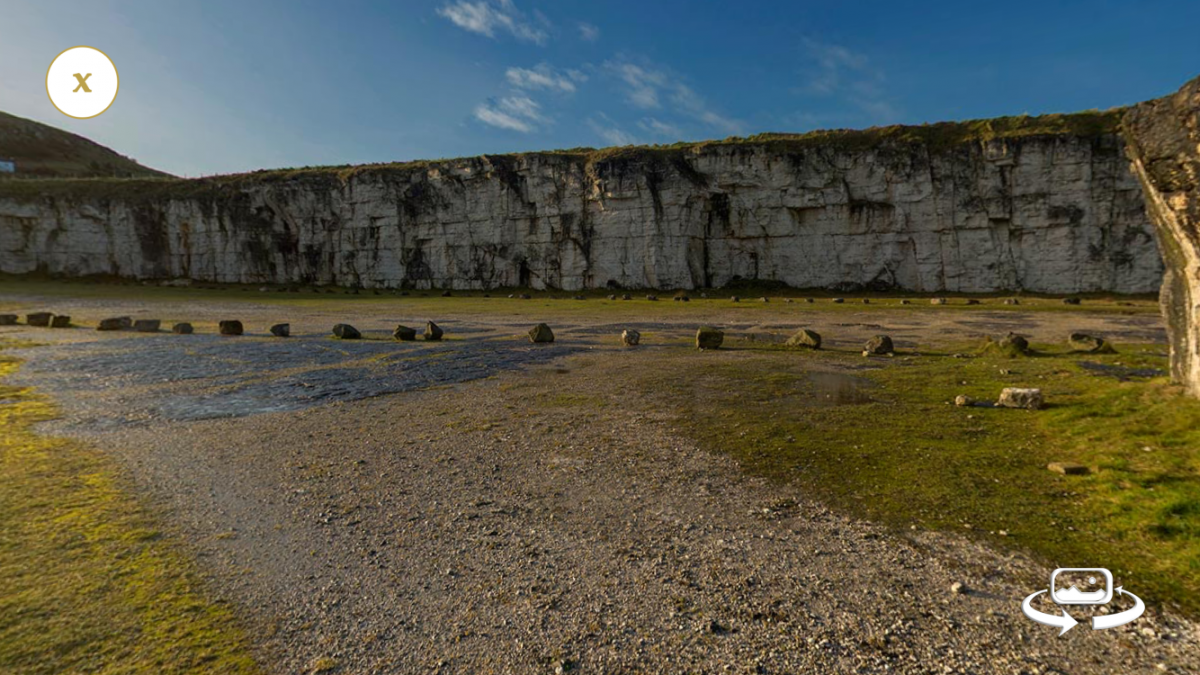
[(832, 389), (1122, 373)]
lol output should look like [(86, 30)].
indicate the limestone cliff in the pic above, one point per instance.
[(1165, 151), (915, 208)]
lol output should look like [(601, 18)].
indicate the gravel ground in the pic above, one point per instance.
[(472, 523)]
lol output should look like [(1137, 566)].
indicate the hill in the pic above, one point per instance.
[(43, 151)]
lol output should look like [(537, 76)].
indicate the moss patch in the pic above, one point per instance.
[(90, 585)]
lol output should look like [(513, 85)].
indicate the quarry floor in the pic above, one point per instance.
[(484, 504)]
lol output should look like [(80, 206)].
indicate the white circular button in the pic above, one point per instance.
[(82, 82)]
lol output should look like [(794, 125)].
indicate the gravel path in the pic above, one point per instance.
[(485, 525)]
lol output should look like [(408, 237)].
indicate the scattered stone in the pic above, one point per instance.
[(526, 296), (580, 297), (60, 321), (541, 333), (735, 299), (8, 319), (937, 301), (404, 333), (652, 298), (433, 332), (230, 327), (40, 319), (511, 296), (612, 297), (763, 300), (709, 338), (906, 301), (281, 330), (1082, 342), (630, 337), (809, 300), (962, 400), (1071, 301), (1068, 468), (1017, 397), (147, 325), (345, 331), (880, 345), (182, 329), (446, 294), (958, 588), (627, 297), (115, 323), (866, 301), (838, 301), (1012, 301), (805, 338), (788, 300), (972, 301), (681, 296)]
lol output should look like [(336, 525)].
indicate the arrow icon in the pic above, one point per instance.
[(1066, 622), (1119, 619)]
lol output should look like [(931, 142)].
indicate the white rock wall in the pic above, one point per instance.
[(1056, 214)]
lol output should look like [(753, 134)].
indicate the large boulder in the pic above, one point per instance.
[(281, 330), (60, 321), (1017, 397), (147, 325), (404, 333), (433, 332), (8, 319), (230, 327), (183, 328), (115, 323), (630, 337), (880, 345), (541, 333), (344, 331), (1163, 143), (1082, 342), (805, 338), (709, 338), (40, 319)]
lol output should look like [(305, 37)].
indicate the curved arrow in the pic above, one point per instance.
[(1120, 618), (1066, 622)]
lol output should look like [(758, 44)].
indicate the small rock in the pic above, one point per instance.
[(1082, 342), (763, 300), (580, 297), (652, 298), (281, 330), (838, 301), (541, 333), (115, 323), (709, 338), (1012, 301), (1015, 342), (1068, 468), (612, 297), (866, 301), (937, 301), (805, 338), (182, 329), (788, 300), (404, 333), (446, 294), (8, 319), (433, 332), (526, 296), (60, 321), (345, 331), (1071, 301), (1018, 397), (147, 325), (879, 345), (40, 319), (630, 337), (230, 327), (963, 400), (809, 300), (626, 297), (735, 299), (906, 301), (958, 588)]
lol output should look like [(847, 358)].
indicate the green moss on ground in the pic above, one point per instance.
[(90, 585), (909, 457)]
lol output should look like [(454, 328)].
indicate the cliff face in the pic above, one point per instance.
[(1054, 213), (1165, 152)]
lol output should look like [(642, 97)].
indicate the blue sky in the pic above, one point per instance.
[(222, 86)]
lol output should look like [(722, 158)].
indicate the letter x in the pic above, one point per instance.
[(82, 83)]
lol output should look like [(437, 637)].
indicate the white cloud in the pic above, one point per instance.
[(544, 77), (611, 133), (644, 84), (515, 113), (849, 75), (589, 32), (652, 88), (489, 17), (657, 127)]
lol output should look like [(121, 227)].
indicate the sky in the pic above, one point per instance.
[(224, 86)]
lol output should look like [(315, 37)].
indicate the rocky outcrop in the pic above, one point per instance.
[(1047, 212), (1165, 151)]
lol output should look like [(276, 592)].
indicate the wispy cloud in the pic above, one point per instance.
[(490, 17), (652, 88), (658, 127), (543, 76), (613, 134), (515, 113), (589, 32), (844, 73)]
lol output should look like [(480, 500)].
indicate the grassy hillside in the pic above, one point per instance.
[(43, 151)]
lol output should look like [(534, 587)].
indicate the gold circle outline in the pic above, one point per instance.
[(110, 61)]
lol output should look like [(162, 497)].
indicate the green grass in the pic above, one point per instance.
[(909, 458), (89, 584)]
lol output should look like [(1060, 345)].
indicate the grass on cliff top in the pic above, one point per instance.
[(89, 584), (937, 137), (905, 456)]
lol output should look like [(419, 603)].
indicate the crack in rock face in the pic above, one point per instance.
[(1164, 148)]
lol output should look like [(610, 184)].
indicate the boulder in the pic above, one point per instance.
[(906, 301), (115, 323), (230, 327), (612, 297), (433, 332), (541, 333), (805, 338), (963, 400), (446, 294), (526, 296), (1071, 301), (735, 299), (763, 299), (8, 319), (344, 331), (404, 333), (866, 301), (147, 325), (281, 330), (972, 301), (809, 300), (626, 297), (1018, 397), (60, 321), (880, 345), (1012, 301), (838, 301), (1162, 139), (40, 319), (709, 338), (182, 329), (1068, 468), (652, 298), (630, 337), (937, 301), (1014, 342), (1082, 342)]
